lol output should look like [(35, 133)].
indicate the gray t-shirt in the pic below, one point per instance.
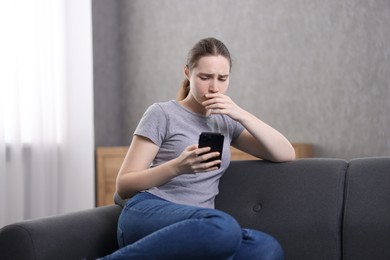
[(173, 128)]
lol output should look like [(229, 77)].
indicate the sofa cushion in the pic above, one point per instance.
[(298, 202), (366, 233)]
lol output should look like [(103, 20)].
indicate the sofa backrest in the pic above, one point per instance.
[(299, 203), (366, 227)]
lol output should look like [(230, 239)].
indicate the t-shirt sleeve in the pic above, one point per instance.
[(153, 124)]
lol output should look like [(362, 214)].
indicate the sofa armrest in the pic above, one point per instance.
[(87, 233)]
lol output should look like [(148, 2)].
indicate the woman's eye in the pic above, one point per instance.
[(204, 78), (222, 79)]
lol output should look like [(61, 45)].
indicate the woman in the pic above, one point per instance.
[(170, 213)]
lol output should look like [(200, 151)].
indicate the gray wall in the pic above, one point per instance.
[(318, 71)]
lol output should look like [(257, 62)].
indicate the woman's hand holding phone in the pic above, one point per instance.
[(202, 157), (214, 141)]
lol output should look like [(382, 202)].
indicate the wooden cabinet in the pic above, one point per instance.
[(109, 160)]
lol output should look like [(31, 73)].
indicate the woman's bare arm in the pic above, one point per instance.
[(258, 138), (136, 175), (263, 141)]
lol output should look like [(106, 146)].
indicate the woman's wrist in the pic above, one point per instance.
[(173, 167)]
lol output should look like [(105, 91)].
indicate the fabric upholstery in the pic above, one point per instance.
[(367, 210), (326, 209), (299, 203), (87, 233)]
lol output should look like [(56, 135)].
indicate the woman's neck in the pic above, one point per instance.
[(190, 103)]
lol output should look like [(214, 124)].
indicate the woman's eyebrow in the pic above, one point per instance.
[(211, 74)]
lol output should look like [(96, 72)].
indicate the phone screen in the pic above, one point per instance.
[(214, 141)]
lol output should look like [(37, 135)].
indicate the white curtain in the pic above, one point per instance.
[(40, 109)]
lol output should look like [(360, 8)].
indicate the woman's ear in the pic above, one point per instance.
[(187, 72)]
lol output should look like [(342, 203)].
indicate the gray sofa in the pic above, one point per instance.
[(317, 209)]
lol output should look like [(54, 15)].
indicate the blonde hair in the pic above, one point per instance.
[(205, 47)]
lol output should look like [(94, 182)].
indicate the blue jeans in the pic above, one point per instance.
[(152, 228)]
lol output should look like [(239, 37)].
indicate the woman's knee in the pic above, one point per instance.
[(275, 249), (225, 231), (259, 245)]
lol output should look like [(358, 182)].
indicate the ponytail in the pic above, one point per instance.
[(184, 90)]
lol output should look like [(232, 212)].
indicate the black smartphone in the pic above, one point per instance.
[(214, 141)]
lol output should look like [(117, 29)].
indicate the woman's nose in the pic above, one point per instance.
[(213, 88)]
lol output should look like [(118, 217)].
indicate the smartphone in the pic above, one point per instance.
[(214, 141)]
